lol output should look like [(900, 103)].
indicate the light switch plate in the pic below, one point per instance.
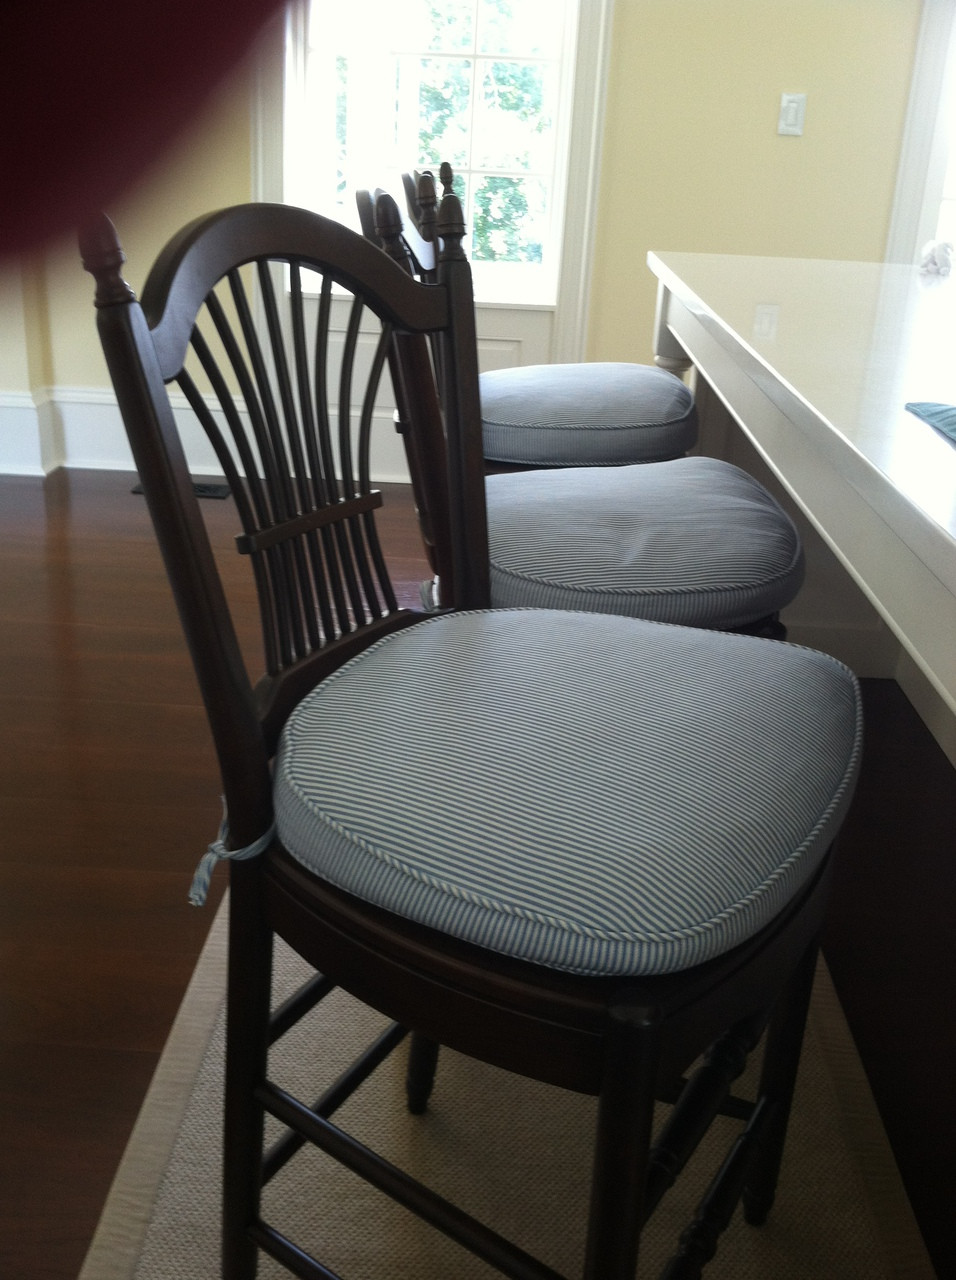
[(793, 110)]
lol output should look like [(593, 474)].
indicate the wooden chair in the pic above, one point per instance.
[(581, 847), (696, 541), (582, 414)]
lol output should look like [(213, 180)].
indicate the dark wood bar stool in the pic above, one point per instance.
[(586, 848), (582, 414), (695, 541)]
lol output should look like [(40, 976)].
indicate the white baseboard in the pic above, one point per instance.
[(81, 427)]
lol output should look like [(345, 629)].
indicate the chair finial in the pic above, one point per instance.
[(450, 227), (427, 206), (103, 257), (446, 177), (388, 227)]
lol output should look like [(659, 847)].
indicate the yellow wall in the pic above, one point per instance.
[(692, 159), (14, 365), (208, 169)]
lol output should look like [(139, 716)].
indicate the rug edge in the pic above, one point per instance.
[(117, 1242)]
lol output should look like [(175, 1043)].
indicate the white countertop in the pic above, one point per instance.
[(842, 347)]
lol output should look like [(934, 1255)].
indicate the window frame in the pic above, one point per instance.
[(923, 155), (569, 313)]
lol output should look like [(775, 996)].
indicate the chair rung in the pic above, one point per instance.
[(289, 1255), (698, 1243), (284, 1148), (705, 1095), (346, 508), (459, 1226), (298, 1005), (734, 1108)]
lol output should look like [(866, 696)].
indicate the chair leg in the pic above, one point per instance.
[(420, 1076), (777, 1080), (624, 1128), (247, 1027), (698, 1242)]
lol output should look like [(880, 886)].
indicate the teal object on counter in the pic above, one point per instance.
[(940, 416)]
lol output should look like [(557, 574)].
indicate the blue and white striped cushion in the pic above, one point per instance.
[(585, 415), (591, 793), (694, 541)]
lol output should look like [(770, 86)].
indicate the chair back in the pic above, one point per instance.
[(419, 229), (277, 327), (403, 241), (382, 224), (418, 254), (421, 201)]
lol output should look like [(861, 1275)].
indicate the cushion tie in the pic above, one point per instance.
[(217, 851)]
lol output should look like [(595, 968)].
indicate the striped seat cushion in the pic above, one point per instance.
[(585, 415), (694, 541), (591, 793)]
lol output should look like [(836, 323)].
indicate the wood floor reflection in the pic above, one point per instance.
[(108, 794)]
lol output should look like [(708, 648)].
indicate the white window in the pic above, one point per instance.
[(375, 88)]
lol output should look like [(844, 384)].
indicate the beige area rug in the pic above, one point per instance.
[(514, 1152)]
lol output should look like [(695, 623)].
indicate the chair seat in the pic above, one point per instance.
[(603, 795), (585, 415), (695, 541)]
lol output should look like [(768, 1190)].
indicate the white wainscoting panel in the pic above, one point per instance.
[(81, 427), (21, 452)]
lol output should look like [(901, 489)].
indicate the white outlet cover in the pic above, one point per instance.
[(766, 316)]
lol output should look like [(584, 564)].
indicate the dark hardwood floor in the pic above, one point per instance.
[(108, 794)]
